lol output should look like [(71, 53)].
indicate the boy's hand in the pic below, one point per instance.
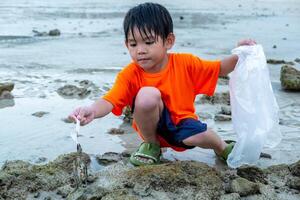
[(246, 42), (84, 114)]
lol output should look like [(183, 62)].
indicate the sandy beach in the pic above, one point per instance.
[(90, 51)]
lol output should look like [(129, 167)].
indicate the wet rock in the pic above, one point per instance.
[(54, 32), (297, 60), (232, 196), (295, 168), (244, 187), (6, 87), (277, 62), (39, 33), (86, 83), (293, 182), (175, 179), (266, 192), (252, 173), (277, 175), (217, 98), (40, 160), (37, 195), (40, 114), (72, 91), (6, 95), (274, 46), (116, 131), (204, 115), (20, 178), (223, 80), (6, 103), (67, 120), (265, 155), (127, 114), (90, 193), (221, 117), (108, 158), (290, 78)]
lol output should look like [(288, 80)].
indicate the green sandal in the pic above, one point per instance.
[(227, 150), (150, 151)]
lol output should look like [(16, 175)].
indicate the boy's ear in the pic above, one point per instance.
[(170, 41)]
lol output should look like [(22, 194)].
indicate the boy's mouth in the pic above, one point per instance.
[(143, 59)]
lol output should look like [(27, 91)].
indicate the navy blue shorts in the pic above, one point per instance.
[(174, 135)]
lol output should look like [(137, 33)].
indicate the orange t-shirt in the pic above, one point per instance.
[(179, 82)]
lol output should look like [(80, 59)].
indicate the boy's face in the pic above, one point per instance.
[(149, 53)]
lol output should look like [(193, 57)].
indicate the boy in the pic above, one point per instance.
[(161, 87)]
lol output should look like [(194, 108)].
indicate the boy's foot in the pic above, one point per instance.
[(227, 150), (147, 154)]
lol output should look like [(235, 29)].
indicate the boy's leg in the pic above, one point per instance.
[(148, 107), (208, 140)]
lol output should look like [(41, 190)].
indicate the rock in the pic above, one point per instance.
[(221, 117), (244, 187), (266, 193), (252, 173), (295, 168), (40, 160), (293, 182), (64, 191), (86, 83), (232, 196), (274, 46), (6, 95), (39, 34), (90, 193), (6, 87), (40, 114), (178, 180), (223, 80), (265, 155), (218, 98), (37, 195), (54, 32), (276, 62), (20, 178), (71, 91), (290, 78), (204, 115), (226, 110), (297, 60), (116, 131), (108, 158), (6, 103), (127, 114), (67, 120)]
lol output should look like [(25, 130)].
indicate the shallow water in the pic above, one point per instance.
[(91, 48)]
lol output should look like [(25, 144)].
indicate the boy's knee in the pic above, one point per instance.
[(147, 98)]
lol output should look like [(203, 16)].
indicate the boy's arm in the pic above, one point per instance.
[(86, 114), (101, 107), (228, 63)]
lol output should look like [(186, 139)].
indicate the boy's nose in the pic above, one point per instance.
[(141, 50)]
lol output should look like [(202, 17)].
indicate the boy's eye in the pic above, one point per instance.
[(132, 44), (150, 42)]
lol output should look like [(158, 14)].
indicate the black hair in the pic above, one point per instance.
[(148, 18)]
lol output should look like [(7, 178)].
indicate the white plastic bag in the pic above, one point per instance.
[(254, 107)]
